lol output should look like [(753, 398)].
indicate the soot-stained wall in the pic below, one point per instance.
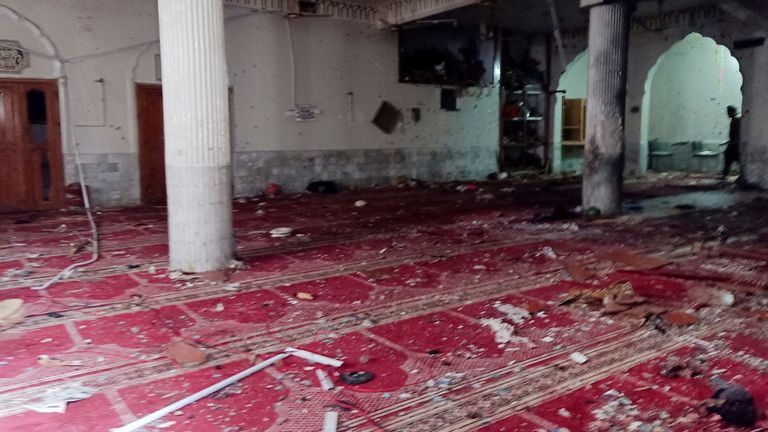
[(651, 37)]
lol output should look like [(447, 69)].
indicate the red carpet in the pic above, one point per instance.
[(399, 288)]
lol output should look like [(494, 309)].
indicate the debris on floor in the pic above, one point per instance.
[(185, 353), (503, 333), (558, 214), (578, 271), (513, 313), (330, 421), (301, 295), (680, 318), (323, 187), (55, 400), (503, 175), (733, 403), (619, 413), (633, 260), (448, 311), (356, 377), (712, 296), (46, 360), (281, 232), (403, 181), (325, 381), (228, 391), (675, 367), (579, 358), (12, 312), (212, 389), (80, 246), (616, 298), (272, 190), (592, 214)]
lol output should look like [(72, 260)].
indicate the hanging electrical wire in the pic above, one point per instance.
[(558, 34), (86, 199), (293, 60), (63, 78)]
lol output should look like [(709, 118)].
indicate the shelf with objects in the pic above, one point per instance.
[(523, 112), (522, 128)]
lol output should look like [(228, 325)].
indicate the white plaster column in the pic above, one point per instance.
[(606, 99), (197, 148)]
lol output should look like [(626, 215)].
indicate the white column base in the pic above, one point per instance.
[(197, 142), (199, 217)]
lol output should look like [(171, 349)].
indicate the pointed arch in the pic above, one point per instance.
[(51, 52), (686, 93)]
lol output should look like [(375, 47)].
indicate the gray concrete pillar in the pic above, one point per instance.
[(606, 98), (198, 161)]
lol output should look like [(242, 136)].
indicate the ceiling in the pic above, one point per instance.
[(533, 16)]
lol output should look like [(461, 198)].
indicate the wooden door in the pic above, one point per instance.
[(31, 177), (149, 102)]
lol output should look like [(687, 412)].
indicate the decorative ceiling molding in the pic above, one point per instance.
[(387, 14), (348, 11), (261, 5), (689, 17), (402, 11), (330, 8), (679, 18)]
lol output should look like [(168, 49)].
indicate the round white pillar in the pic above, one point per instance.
[(606, 99), (198, 160)]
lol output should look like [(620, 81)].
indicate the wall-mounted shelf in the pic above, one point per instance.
[(574, 121), (522, 126)]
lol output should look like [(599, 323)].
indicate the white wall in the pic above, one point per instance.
[(333, 58), (690, 88), (110, 45)]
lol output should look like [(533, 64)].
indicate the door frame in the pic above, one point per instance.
[(140, 129), (55, 152)]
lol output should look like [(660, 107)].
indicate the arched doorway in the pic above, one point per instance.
[(567, 122), (684, 122)]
